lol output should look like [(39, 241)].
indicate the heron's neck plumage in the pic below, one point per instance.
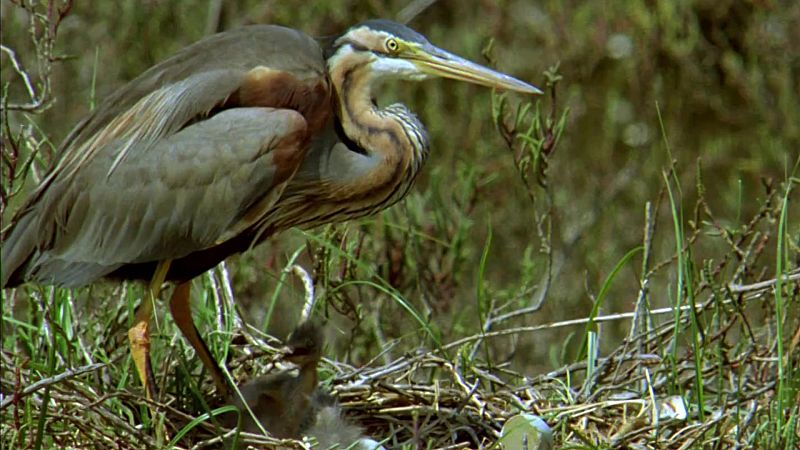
[(383, 150), (392, 137)]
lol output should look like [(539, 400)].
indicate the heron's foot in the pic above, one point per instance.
[(139, 338)]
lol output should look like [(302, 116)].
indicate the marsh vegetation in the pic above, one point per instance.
[(627, 240)]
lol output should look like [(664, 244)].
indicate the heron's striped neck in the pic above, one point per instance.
[(389, 144), (393, 136)]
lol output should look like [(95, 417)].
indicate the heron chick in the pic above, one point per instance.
[(290, 404)]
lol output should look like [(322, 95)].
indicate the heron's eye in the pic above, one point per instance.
[(392, 46)]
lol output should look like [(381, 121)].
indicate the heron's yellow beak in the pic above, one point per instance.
[(432, 60)]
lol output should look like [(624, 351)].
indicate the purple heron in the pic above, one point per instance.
[(239, 136)]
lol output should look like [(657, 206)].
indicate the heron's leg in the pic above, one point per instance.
[(139, 333), (181, 311)]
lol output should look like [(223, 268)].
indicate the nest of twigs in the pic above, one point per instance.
[(636, 397)]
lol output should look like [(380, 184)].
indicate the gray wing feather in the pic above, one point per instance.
[(237, 50), (140, 124), (177, 196)]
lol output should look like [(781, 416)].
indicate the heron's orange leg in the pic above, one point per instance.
[(181, 310), (139, 333), (139, 338)]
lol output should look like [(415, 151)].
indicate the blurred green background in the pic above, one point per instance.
[(724, 74)]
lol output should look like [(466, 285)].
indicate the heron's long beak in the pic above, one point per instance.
[(435, 61)]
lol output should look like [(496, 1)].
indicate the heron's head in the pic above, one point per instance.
[(383, 49)]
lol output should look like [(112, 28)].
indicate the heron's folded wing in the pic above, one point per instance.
[(238, 69), (169, 199), (208, 73)]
